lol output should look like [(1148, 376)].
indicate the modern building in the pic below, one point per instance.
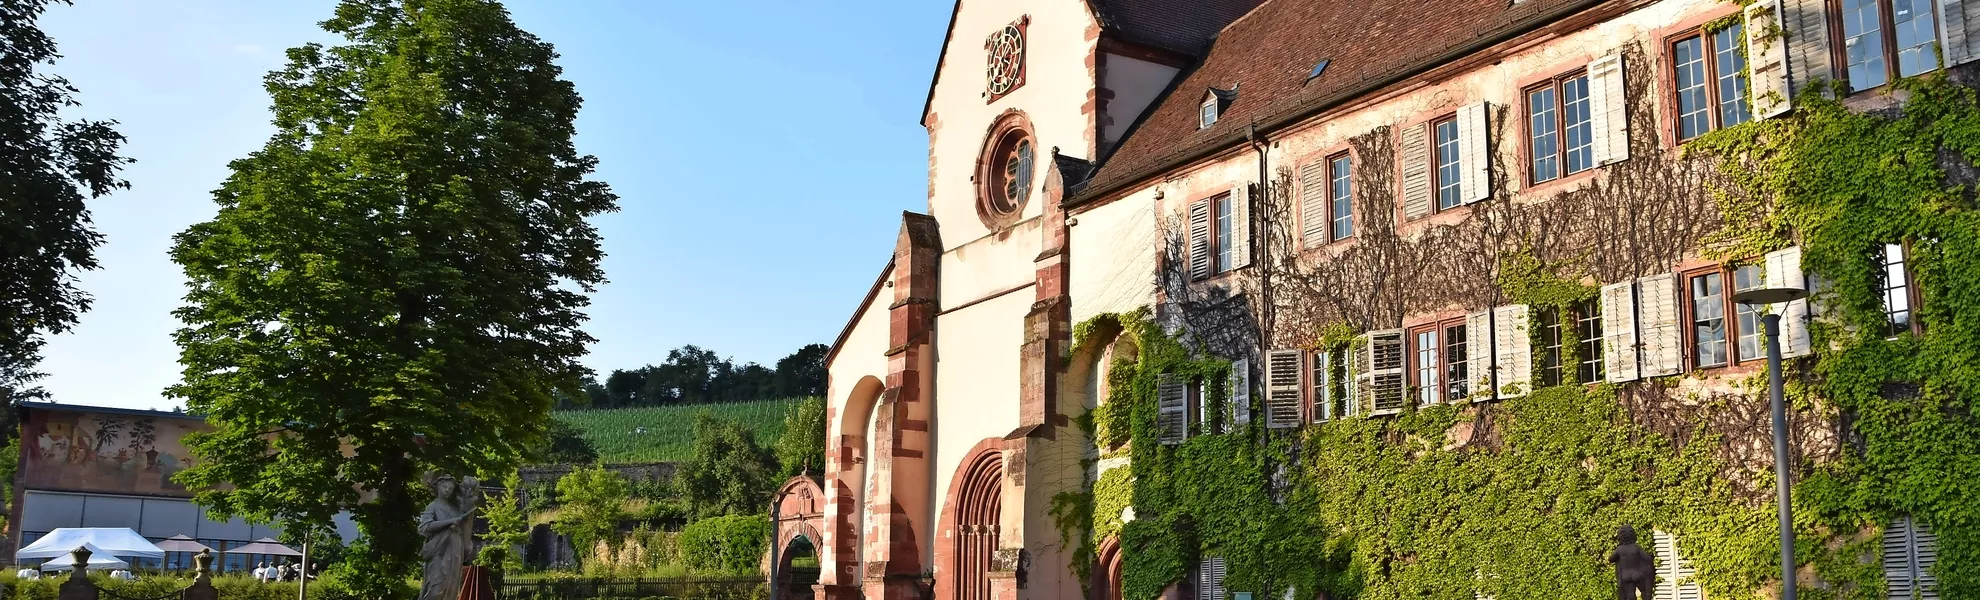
[(84, 466), (1161, 233)]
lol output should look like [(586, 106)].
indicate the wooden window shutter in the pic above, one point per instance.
[(1676, 579), (1619, 332), (1767, 59), (1478, 355), (1961, 43), (1241, 229), (1910, 552), (1171, 408), (1314, 206), (1610, 120), (1474, 152), (1416, 171), (1784, 271), (1282, 389), (1512, 349), (1240, 395), (1210, 579), (1662, 349), (1199, 240), (1382, 384), (1810, 58)]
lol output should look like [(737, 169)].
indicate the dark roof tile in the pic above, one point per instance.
[(1180, 25)]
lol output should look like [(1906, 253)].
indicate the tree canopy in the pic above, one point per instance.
[(52, 166), (695, 375), (395, 281), (729, 473)]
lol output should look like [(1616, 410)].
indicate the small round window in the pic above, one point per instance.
[(1011, 172)]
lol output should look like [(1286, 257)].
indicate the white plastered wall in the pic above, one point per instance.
[(1136, 84), (1113, 249), (1054, 97), (860, 356), (976, 378)]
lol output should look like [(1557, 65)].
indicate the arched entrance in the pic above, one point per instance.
[(799, 517), (979, 505), (1106, 580)]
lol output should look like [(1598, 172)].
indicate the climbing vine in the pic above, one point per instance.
[(1521, 498)]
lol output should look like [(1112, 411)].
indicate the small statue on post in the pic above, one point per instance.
[(448, 525), (1636, 575)]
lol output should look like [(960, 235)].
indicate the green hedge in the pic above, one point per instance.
[(730, 543)]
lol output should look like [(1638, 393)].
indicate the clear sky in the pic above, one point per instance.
[(762, 152)]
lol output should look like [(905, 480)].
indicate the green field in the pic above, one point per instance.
[(666, 433)]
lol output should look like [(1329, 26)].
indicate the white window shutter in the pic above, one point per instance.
[(1676, 579), (1961, 28), (1416, 171), (1619, 332), (1314, 210), (1610, 120), (1766, 59), (1474, 152), (1925, 556), (1241, 199), (1478, 355), (1662, 350), (1240, 395), (1784, 271), (1199, 240), (1382, 383), (1282, 389), (1512, 348), (1171, 408)]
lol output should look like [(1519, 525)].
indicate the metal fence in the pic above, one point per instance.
[(635, 589)]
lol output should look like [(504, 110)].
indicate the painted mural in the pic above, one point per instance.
[(105, 452)]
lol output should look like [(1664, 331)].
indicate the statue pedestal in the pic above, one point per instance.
[(475, 584)]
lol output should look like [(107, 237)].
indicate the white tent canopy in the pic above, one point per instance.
[(106, 542), (99, 560)]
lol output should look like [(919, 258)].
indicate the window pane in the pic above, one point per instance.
[(1917, 39), (1590, 332), (1447, 165), (1342, 197), (1209, 114), (1323, 389), (1708, 320), (1863, 43), (1225, 250), (1550, 339), (1897, 289), (1544, 143), (1689, 56), (1575, 125), (1746, 278), (1427, 388), (1455, 354), (1732, 88)]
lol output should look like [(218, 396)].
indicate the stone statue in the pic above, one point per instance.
[(1636, 575), (448, 524)]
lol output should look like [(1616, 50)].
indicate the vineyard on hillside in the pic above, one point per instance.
[(666, 433)]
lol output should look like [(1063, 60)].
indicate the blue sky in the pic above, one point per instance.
[(762, 152)]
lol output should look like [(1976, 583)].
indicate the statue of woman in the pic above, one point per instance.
[(448, 524)]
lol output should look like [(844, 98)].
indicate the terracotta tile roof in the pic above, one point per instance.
[(1268, 53), (1184, 26)]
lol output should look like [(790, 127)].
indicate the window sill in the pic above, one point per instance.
[(1567, 182)]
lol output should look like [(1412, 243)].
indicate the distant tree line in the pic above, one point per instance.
[(696, 375)]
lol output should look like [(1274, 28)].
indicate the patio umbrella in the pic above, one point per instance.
[(181, 543), (265, 546)]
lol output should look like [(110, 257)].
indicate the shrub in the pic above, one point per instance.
[(732, 543)]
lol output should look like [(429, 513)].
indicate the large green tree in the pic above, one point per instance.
[(728, 473), (394, 283), (49, 167)]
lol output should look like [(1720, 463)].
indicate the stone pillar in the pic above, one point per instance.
[(899, 471)]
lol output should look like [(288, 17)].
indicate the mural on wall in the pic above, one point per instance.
[(105, 452)]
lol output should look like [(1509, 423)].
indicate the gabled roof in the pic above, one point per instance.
[(886, 273), (1270, 52), (1184, 26)]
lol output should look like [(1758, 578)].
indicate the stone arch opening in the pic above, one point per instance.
[(979, 511), (796, 554), (1105, 582), (849, 452)]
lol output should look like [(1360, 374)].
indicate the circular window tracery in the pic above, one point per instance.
[(1008, 172)]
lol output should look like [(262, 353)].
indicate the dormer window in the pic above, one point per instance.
[(1214, 103)]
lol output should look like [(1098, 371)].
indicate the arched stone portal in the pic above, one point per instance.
[(798, 511)]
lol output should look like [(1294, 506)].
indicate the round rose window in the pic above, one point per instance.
[(1011, 172)]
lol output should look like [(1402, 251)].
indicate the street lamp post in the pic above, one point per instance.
[(1772, 323)]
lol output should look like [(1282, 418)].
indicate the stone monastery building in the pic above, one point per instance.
[(1312, 236)]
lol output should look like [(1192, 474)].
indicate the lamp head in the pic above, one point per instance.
[(1769, 295)]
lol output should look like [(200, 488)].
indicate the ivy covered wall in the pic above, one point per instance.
[(1521, 498)]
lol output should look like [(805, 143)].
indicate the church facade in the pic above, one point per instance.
[(1160, 232)]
